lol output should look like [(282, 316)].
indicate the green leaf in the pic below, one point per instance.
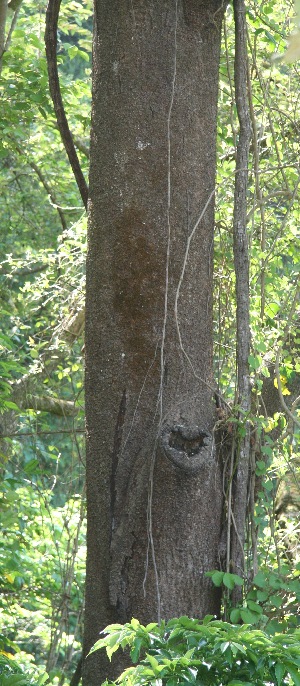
[(101, 643), (157, 668), (261, 466), (84, 55), (110, 650), (135, 651), (260, 580), (254, 607), (207, 619), (254, 362), (235, 616), (295, 674), (31, 466), (217, 578), (238, 579), (276, 600), (151, 626), (268, 485), (14, 680), (135, 624), (228, 580), (280, 671), (239, 647), (249, 617), (10, 405)]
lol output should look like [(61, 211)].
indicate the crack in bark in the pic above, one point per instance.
[(116, 452)]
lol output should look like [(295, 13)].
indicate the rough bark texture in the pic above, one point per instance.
[(154, 489)]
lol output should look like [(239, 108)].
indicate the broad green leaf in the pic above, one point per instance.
[(238, 580), (135, 624), (249, 617), (254, 607), (217, 578), (229, 581), (295, 674), (235, 616), (280, 671)]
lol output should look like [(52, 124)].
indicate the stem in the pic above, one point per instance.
[(241, 265), (52, 15)]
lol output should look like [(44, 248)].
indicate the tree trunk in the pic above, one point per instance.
[(154, 489), (3, 15)]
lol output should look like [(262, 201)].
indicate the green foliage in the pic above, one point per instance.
[(11, 674), (271, 601), (42, 562), (42, 553), (273, 228), (189, 651), (41, 296)]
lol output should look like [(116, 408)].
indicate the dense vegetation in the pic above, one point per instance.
[(43, 227)]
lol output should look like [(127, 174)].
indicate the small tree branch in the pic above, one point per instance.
[(44, 183), (52, 15), (81, 145), (16, 7), (62, 408), (25, 434), (48, 190), (23, 271), (22, 395), (72, 327)]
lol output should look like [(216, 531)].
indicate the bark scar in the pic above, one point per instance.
[(187, 447)]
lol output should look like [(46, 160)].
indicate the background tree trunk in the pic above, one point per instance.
[(3, 15), (154, 490)]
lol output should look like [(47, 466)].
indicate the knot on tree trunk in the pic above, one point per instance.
[(188, 448)]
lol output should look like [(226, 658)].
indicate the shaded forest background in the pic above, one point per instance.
[(42, 277)]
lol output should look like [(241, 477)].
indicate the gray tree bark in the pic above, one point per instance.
[(154, 488), (241, 265)]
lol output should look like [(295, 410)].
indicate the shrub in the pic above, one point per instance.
[(203, 653)]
